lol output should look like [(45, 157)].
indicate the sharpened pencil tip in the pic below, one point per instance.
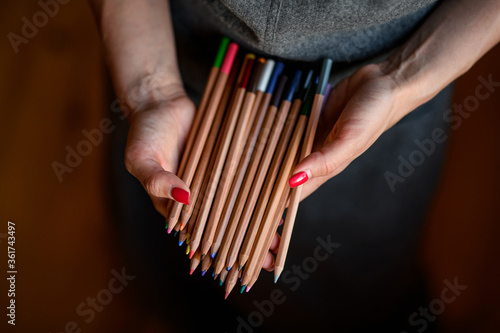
[(240, 267), (182, 226), (248, 288), (203, 273), (175, 233), (228, 268), (220, 283), (276, 277), (191, 271), (227, 294), (181, 242), (213, 273), (187, 249), (212, 255), (169, 230), (243, 287), (191, 254), (215, 276)]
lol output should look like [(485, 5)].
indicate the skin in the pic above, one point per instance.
[(140, 52)]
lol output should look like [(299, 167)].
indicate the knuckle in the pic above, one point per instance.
[(152, 185), (328, 165)]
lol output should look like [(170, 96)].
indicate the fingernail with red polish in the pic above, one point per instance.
[(180, 195), (298, 179)]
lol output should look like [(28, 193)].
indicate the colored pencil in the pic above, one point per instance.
[(231, 280), (306, 150), (240, 137), (249, 176), (201, 134), (279, 154), (208, 150), (250, 195), (205, 264), (273, 200), (195, 261), (233, 115), (270, 236), (267, 82)]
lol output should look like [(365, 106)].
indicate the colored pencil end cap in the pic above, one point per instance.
[(243, 287), (229, 58), (326, 68)]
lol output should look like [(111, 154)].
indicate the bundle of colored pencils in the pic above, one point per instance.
[(255, 121)]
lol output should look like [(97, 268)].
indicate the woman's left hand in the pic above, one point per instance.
[(358, 110)]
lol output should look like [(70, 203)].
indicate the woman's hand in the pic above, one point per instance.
[(359, 109), (155, 142), (377, 96)]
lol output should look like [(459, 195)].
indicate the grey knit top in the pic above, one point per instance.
[(343, 30)]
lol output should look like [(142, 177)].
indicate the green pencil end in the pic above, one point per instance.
[(221, 52)]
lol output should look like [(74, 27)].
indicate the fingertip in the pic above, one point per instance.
[(268, 264), (180, 195), (299, 178), (275, 244)]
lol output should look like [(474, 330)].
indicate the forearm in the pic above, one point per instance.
[(448, 43), (139, 49)]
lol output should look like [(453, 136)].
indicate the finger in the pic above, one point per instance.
[(351, 135), (326, 162), (157, 181), (275, 244), (268, 262)]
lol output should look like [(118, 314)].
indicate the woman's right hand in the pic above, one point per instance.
[(156, 139)]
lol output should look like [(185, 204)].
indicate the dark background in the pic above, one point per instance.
[(66, 242)]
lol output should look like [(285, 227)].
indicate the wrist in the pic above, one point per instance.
[(413, 87), (151, 91)]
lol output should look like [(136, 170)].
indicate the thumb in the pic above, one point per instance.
[(340, 149), (157, 181)]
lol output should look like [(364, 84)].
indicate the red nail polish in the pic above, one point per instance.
[(298, 179), (180, 195)]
